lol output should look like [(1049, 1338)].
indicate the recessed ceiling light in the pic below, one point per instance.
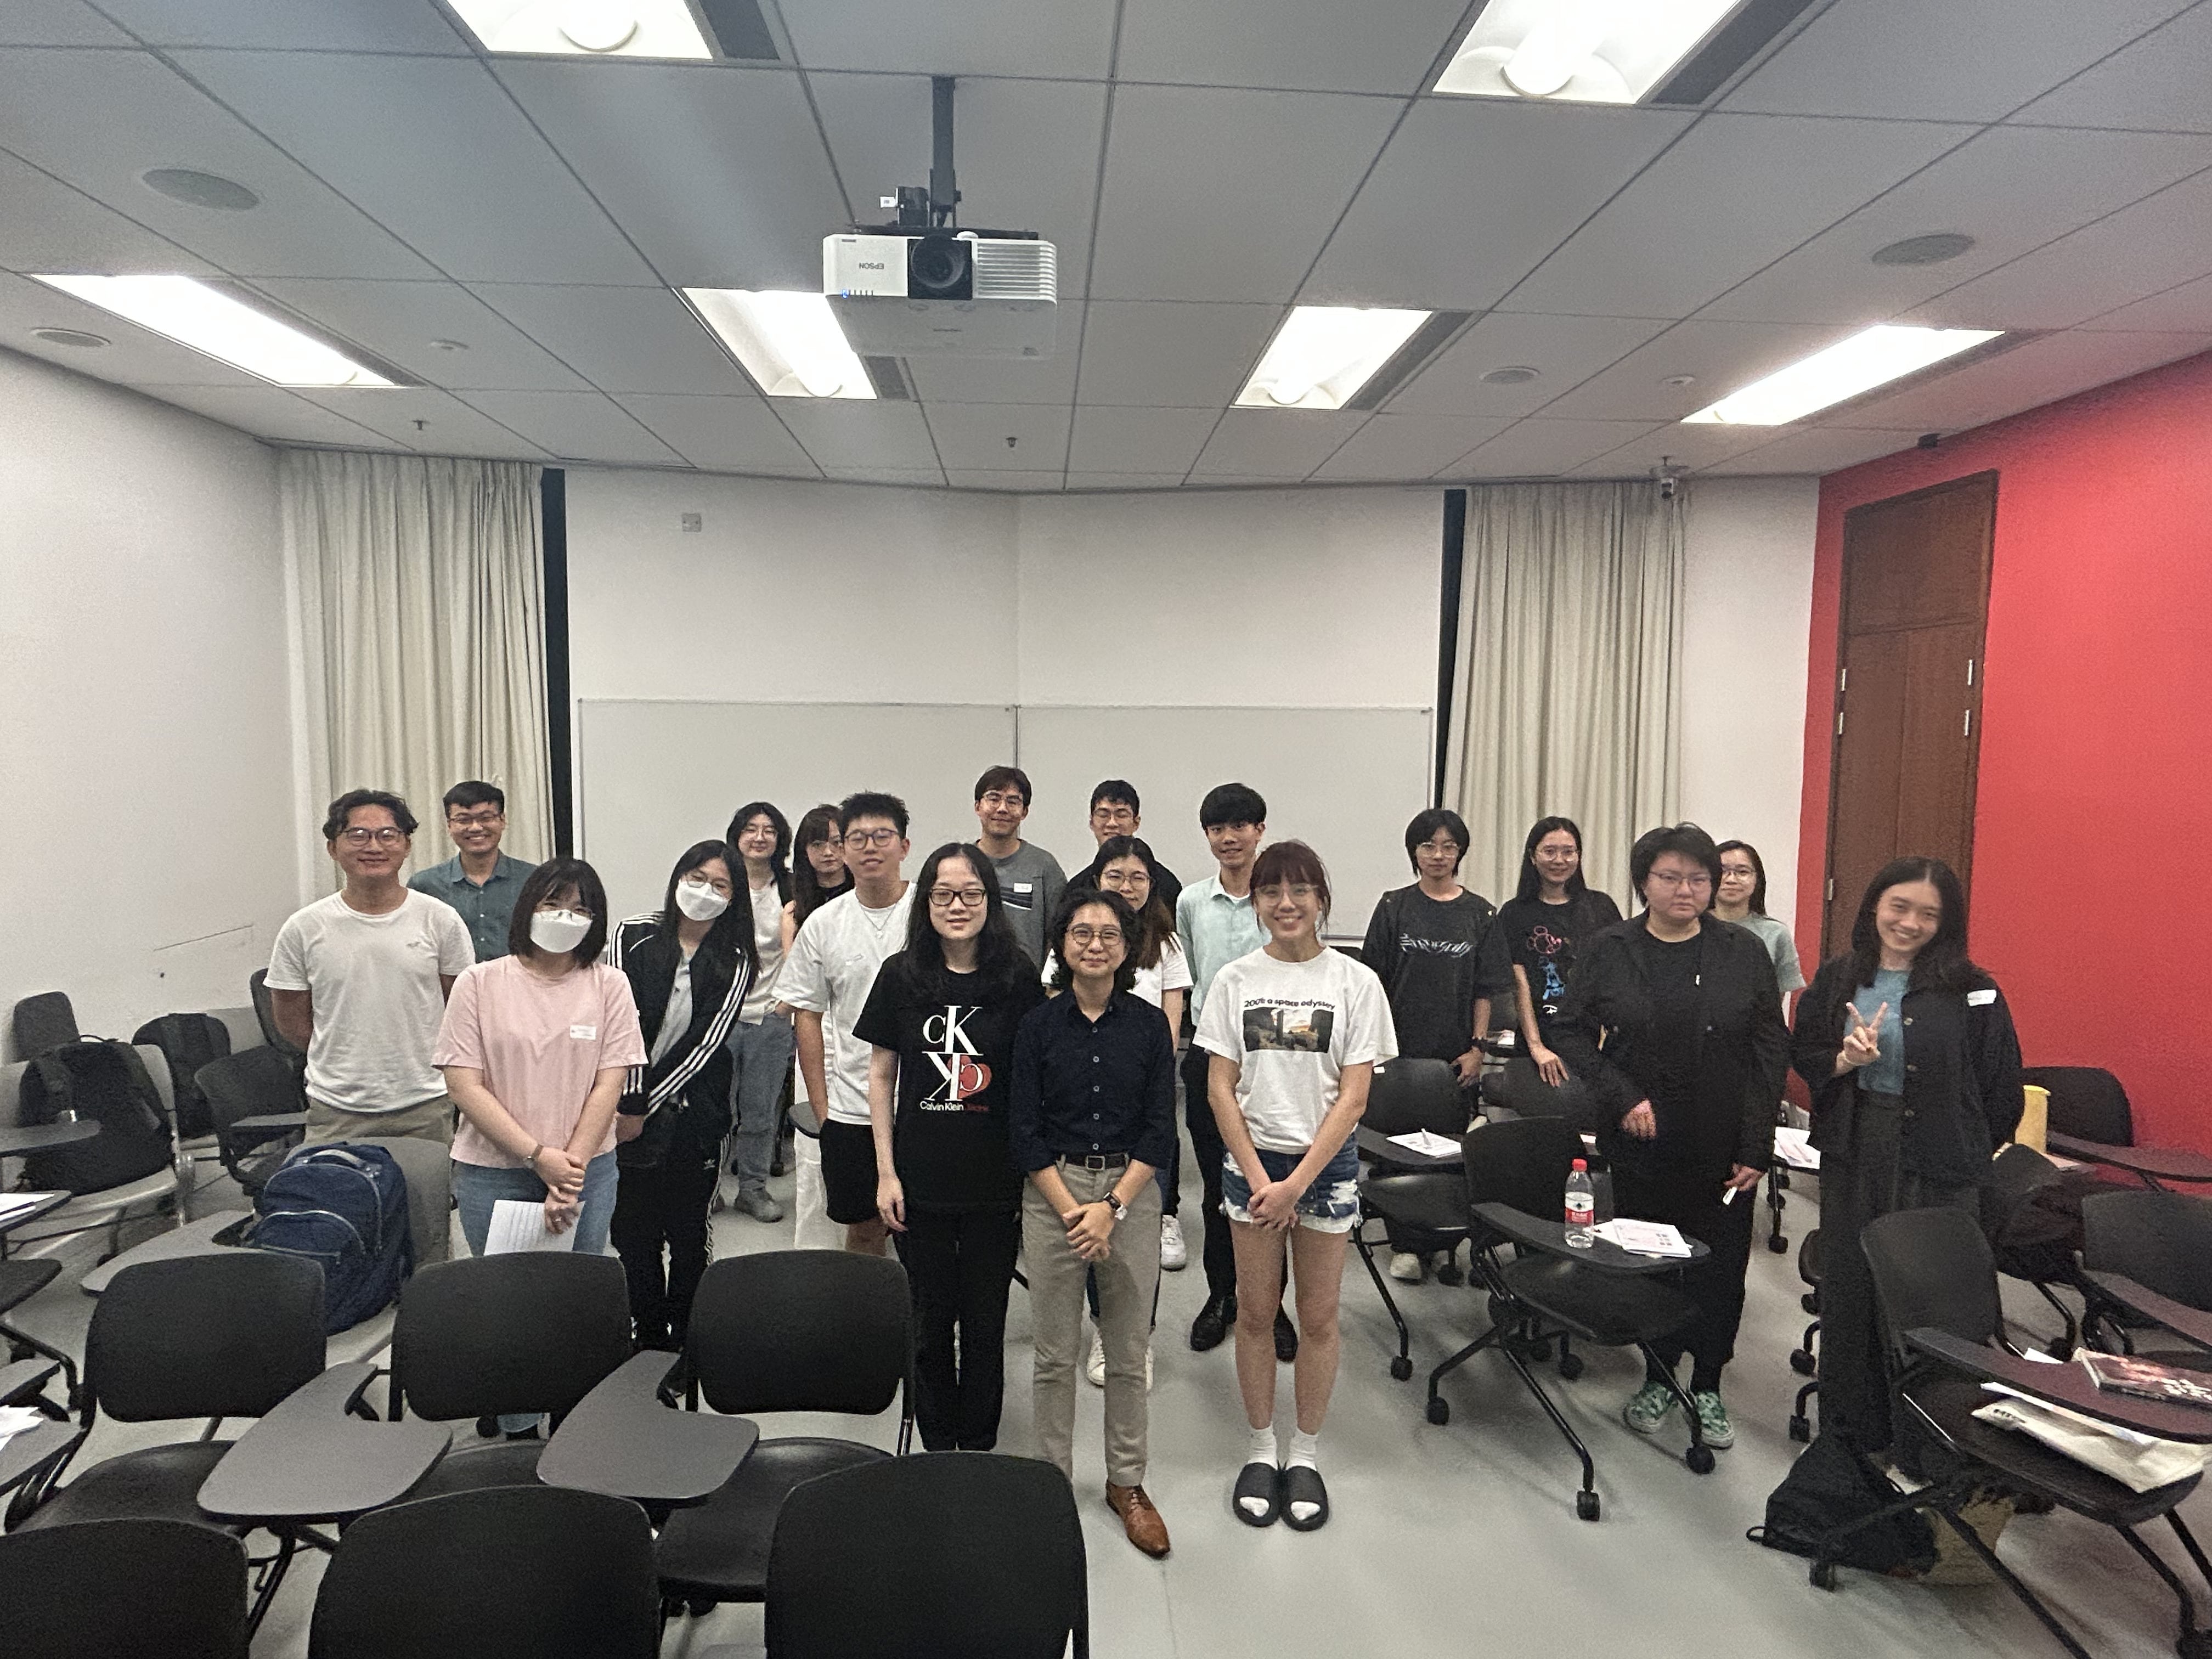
[(1872, 357), (590, 28), (191, 312), (789, 342), (1323, 354), (1512, 374), (199, 189), (1924, 250), (1590, 52), (1678, 379), (69, 336)]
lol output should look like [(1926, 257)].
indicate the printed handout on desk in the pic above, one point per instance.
[(1643, 1237), (18, 1419), (1427, 1144), (1795, 1148), (14, 1204), (516, 1225)]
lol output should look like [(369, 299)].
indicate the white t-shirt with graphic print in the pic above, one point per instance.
[(1292, 1027)]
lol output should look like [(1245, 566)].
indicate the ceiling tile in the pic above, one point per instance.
[(1280, 444), (1544, 449), (1171, 354), (1725, 358), (620, 339), (1073, 39), (1567, 351), (1316, 45), (1227, 194), (1027, 153), (1691, 447), (973, 436), (848, 433), (1004, 380), (412, 26), (269, 411), (1408, 445), (1737, 192), (1025, 482), (1962, 60), (717, 173), (133, 356), (577, 426), (1159, 441), (434, 148), (1123, 480), (47, 225), (2010, 188), (449, 426), (2186, 305), (1822, 449), (2034, 373), (1472, 193), (154, 117), (398, 320), (58, 24), (724, 435), (2163, 81)]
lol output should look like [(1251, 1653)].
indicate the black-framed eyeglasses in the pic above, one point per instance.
[(858, 840), (943, 898)]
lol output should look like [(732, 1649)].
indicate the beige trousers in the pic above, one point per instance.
[(1126, 1280), (428, 1119)]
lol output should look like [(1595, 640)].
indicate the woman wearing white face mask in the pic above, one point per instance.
[(689, 964)]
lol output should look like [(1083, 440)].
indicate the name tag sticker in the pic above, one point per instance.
[(1025, 887), (1981, 999), (584, 1033)]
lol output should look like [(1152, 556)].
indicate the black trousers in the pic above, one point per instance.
[(1692, 1203), (664, 1208), (959, 1267), (1207, 1152)]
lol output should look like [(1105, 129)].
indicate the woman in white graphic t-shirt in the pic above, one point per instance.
[(1295, 1031)]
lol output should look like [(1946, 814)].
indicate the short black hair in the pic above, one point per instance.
[(1423, 828), (1231, 803), (554, 876), (1758, 870), (873, 804), (1125, 976), (334, 821), (1120, 791), (475, 793), (1004, 777), (1686, 839)]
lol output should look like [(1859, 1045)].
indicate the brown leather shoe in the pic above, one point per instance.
[(1139, 1518)]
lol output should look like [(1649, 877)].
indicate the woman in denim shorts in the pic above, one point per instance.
[(1294, 1031)]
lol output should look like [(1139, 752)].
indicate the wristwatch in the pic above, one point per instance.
[(1120, 1210)]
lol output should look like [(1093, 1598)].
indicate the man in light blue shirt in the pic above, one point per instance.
[(479, 881)]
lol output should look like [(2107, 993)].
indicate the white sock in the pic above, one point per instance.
[(1262, 1449), (1305, 1454)]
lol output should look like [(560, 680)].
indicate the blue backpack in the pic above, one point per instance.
[(345, 1208)]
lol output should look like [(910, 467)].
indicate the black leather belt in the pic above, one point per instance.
[(1097, 1161)]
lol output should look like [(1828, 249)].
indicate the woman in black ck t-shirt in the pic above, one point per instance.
[(1528, 955), (941, 1019)]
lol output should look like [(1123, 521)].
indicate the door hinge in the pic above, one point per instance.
[(1832, 889), (1966, 725), (1842, 681), (1970, 671), (1839, 722)]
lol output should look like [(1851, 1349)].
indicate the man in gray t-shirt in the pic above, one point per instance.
[(1030, 881)]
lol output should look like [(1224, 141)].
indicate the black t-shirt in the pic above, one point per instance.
[(1426, 952), (1670, 973), (954, 1037), (1541, 940)]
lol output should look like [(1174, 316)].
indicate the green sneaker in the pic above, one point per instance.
[(1647, 1407), (1713, 1423)]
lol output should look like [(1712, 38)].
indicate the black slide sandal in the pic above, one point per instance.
[(1261, 1481), (1304, 1485)]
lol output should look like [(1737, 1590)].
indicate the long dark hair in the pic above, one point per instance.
[(999, 954), (1156, 922), (1758, 872), (1532, 884), (550, 879), (807, 893), (731, 934), (777, 863), (1943, 963)]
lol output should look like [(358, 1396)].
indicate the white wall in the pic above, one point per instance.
[(148, 844)]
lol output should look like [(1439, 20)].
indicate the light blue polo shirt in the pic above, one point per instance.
[(1216, 928)]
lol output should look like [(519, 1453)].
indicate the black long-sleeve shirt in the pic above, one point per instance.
[(1083, 1086)]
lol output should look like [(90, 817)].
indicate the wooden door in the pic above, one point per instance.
[(1908, 688)]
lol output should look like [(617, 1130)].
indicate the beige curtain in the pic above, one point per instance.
[(418, 618), (1569, 682)]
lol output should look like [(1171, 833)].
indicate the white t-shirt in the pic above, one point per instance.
[(377, 1001), (767, 942), (1292, 1027), (830, 969), (1170, 973)]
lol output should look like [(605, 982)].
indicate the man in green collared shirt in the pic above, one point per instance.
[(480, 881)]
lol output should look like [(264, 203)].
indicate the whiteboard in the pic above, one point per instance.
[(1347, 781), (654, 776)]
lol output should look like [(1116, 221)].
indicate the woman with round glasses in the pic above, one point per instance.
[(1740, 897), (941, 1022)]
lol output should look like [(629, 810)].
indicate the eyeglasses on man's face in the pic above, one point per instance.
[(389, 835), (997, 799), (969, 898), (860, 840), (484, 820)]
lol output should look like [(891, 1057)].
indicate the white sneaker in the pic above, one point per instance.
[(1406, 1267), (1095, 1367), (1174, 1255)]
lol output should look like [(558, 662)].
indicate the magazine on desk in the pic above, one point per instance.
[(2147, 1379)]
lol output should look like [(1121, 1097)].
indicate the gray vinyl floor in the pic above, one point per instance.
[(1459, 1539)]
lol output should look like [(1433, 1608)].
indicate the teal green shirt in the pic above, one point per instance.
[(489, 910), (1216, 928)]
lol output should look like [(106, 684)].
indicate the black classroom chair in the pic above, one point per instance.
[(98, 1589), (21, 1278), (265, 1010), (1407, 1094), (254, 1083), (1805, 1359), (2163, 1242)]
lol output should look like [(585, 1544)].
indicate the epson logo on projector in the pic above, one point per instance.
[(962, 292)]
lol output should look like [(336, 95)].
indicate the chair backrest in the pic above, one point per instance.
[(225, 1334), (2163, 1240), (1524, 1163), (535, 1331), (1933, 1267), (979, 1555), (265, 1011), (509, 1572), (42, 1022), (801, 1331), (2087, 1102), (250, 1083), (97, 1588), (1416, 1094)]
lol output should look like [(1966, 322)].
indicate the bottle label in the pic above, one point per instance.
[(1579, 1209)]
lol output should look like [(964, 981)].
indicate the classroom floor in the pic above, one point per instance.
[(1460, 1538)]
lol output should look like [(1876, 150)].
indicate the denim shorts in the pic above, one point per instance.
[(1331, 1205)]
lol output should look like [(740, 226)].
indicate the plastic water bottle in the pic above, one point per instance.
[(1582, 1204)]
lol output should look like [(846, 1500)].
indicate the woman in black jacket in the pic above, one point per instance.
[(1674, 1019), (1914, 1066), (689, 964)]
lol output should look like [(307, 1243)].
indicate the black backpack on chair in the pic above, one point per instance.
[(106, 1082), (187, 1042)]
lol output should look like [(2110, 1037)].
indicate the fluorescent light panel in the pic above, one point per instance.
[(789, 342), (589, 28), (191, 312), (1583, 51), (1872, 357), (1323, 354)]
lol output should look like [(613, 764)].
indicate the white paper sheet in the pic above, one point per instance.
[(14, 1204), (516, 1225), (1795, 1148), (1430, 1146), (18, 1419), (1643, 1237)]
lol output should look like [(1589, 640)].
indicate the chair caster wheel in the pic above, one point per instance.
[(1541, 1351), (1451, 1273), (1823, 1575), (1586, 1506), (698, 1609), (1570, 1367), (1810, 1303), (1778, 1245), (1439, 1411), (1800, 1361), (1700, 1460), (1401, 1367), (1800, 1430)]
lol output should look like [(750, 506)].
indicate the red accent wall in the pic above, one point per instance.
[(2093, 827)]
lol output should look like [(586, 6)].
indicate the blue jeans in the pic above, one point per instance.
[(761, 1054)]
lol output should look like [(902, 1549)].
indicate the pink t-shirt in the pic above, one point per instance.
[(539, 1043)]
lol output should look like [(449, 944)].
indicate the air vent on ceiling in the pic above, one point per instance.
[(1424, 342), (888, 376), (1737, 41), (739, 30)]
